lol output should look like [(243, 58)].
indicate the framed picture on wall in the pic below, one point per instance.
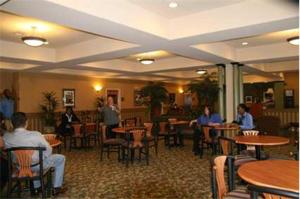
[(137, 98), (69, 97), (248, 99), (115, 93)]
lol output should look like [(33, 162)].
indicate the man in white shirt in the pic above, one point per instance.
[(22, 137)]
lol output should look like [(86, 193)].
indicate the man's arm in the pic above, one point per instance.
[(43, 143)]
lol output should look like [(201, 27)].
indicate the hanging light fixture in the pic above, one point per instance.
[(201, 71), (293, 40), (146, 61), (33, 40)]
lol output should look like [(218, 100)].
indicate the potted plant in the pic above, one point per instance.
[(206, 90), (154, 94), (50, 104)]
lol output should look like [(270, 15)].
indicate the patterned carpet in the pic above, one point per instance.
[(174, 173)]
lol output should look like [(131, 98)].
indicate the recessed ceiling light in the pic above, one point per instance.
[(293, 40), (201, 71), (173, 5), (245, 43), (146, 61)]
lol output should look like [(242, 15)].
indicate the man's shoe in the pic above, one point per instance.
[(59, 190)]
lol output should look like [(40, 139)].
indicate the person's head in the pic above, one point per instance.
[(19, 120), (2, 124), (208, 110), (69, 110), (7, 93), (110, 100), (242, 108)]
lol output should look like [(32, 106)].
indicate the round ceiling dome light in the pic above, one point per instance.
[(34, 41), (173, 5), (293, 40), (201, 71), (245, 43), (146, 61)]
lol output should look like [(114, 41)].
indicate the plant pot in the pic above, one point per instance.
[(48, 129)]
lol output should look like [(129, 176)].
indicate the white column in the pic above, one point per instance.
[(229, 93), (241, 83), (221, 82), (236, 86)]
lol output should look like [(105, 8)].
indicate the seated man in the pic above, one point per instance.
[(22, 137)]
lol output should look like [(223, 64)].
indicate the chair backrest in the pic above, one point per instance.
[(163, 126), (23, 159), (77, 129), (226, 145), (218, 167), (130, 122), (250, 133), (138, 137), (205, 130), (148, 126), (90, 128)]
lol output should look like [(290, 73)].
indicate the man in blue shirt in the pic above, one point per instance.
[(244, 119), (7, 104)]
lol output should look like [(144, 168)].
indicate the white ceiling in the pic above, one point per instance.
[(105, 38), (185, 7)]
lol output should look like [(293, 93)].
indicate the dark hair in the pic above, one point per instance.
[(18, 119), (69, 108), (243, 106), (210, 108)]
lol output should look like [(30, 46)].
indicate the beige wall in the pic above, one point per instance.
[(31, 86), (291, 80)]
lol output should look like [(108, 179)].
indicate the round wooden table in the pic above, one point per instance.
[(261, 140), (277, 174), (126, 129), (229, 128)]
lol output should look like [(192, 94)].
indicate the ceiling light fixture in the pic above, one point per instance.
[(245, 43), (34, 41), (146, 61), (293, 40), (173, 5), (201, 71)]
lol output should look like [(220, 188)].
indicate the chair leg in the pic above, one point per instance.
[(147, 154), (19, 189), (108, 150), (156, 147), (43, 187), (9, 184), (101, 152)]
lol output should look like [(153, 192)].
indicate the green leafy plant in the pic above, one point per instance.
[(50, 104), (206, 90), (154, 93)]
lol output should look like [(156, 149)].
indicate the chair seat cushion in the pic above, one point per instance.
[(114, 141), (242, 159)]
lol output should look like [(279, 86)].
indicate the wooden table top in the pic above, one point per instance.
[(278, 174), (126, 129), (226, 127), (261, 140), (179, 122)]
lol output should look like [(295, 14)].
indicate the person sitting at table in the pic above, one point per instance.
[(209, 118), (244, 119), (111, 114), (3, 157), (21, 137), (69, 117)]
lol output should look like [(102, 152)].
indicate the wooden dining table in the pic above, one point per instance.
[(261, 140), (178, 126), (229, 128), (123, 130), (276, 174)]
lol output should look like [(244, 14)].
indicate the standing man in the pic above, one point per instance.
[(7, 107), (111, 117)]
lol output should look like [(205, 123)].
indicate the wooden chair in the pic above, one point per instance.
[(167, 133), (91, 133), (79, 134), (109, 144), (130, 122), (219, 188), (139, 142), (151, 136), (24, 173), (226, 147), (206, 139), (54, 142)]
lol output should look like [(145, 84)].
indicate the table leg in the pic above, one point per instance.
[(257, 151)]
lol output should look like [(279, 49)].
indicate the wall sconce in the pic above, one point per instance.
[(180, 90), (98, 88)]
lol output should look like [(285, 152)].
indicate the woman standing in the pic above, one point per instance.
[(111, 117)]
